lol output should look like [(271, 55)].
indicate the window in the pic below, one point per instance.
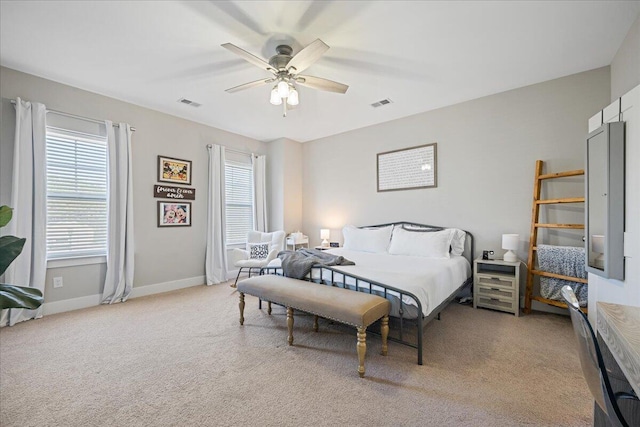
[(76, 194), (239, 199)]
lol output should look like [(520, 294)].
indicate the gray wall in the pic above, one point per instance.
[(625, 67), (284, 184), (487, 150), (161, 255)]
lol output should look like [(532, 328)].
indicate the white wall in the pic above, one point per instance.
[(625, 67), (167, 255), (625, 77), (487, 150), (625, 291)]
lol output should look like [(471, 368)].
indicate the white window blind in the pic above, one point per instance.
[(239, 203), (76, 194)]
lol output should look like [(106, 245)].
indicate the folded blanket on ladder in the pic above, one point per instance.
[(565, 260), (299, 263)]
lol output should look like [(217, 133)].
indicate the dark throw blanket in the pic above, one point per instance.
[(297, 264)]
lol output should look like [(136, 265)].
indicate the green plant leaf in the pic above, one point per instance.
[(13, 296), (5, 215), (10, 248)]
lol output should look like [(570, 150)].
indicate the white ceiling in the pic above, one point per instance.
[(422, 55)]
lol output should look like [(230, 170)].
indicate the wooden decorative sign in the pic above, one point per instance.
[(167, 192)]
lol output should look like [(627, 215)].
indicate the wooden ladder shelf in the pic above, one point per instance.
[(533, 240)]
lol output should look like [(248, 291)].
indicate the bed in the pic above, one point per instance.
[(419, 268)]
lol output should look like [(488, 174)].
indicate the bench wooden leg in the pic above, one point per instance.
[(269, 307), (315, 323), (290, 324), (241, 305), (362, 349), (384, 331)]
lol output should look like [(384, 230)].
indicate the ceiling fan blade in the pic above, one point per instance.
[(248, 57), (249, 85), (307, 56), (322, 84)]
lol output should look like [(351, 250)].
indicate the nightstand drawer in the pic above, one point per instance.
[(496, 292), (496, 281), (496, 303)]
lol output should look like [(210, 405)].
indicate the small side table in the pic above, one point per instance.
[(496, 285), (297, 243), (323, 248)]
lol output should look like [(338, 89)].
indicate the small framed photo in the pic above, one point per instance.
[(172, 214), (174, 170)]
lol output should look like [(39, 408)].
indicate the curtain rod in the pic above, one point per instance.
[(232, 150), (88, 119)]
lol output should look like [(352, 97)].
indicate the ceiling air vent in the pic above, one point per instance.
[(189, 102), (381, 103)]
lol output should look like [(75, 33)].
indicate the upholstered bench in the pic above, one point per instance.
[(352, 308)]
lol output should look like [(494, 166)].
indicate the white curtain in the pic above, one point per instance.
[(29, 203), (216, 254), (259, 193), (119, 278)]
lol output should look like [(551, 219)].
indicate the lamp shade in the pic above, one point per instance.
[(293, 97), (283, 89), (275, 98), (510, 242)]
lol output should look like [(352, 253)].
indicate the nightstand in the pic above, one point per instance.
[(496, 285), (323, 248)]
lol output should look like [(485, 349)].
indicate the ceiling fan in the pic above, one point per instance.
[(285, 70)]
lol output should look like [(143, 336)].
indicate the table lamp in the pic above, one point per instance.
[(325, 234), (510, 242)]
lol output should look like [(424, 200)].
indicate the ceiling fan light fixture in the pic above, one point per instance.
[(292, 99), (283, 89), (275, 98), (285, 69)]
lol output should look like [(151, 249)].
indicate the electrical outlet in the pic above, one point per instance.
[(57, 282)]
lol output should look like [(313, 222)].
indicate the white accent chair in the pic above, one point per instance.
[(241, 257)]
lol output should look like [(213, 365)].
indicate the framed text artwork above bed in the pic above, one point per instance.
[(408, 168)]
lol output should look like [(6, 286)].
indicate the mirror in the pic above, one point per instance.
[(597, 198), (604, 202)]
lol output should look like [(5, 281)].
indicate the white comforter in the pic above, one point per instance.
[(431, 280)]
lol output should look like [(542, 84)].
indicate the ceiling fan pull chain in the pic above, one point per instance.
[(284, 108)]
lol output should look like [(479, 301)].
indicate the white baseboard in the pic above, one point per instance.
[(167, 286), (94, 300), (70, 304)]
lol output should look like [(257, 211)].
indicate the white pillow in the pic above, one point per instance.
[(367, 239), (457, 241), (258, 250), (434, 244)]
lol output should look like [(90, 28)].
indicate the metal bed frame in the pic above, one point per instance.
[(383, 290)]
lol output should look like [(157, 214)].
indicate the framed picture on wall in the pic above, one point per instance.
[(174, 214), (173, 170), (408, 168)]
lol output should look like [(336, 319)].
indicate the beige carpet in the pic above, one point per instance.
[(182, 359)]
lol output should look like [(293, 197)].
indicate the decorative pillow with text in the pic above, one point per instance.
[(258, 250)]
